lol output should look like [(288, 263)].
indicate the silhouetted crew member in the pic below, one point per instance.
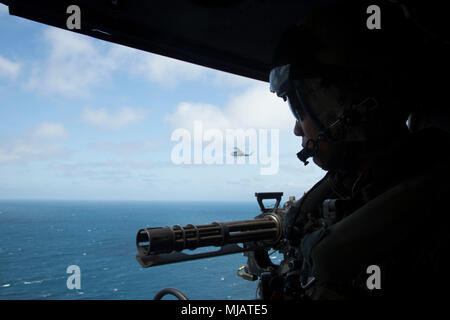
[(383, 200)]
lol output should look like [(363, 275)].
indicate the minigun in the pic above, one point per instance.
[(164, 245)]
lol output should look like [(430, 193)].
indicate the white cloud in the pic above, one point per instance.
[(259, 108), (75, 64), (34, 145), (8, 68), (94, 171), (255, 108), (211, 116), (23, 152), (50, 130), (3, 9), (169, 72), (124, 147), (121, 118), (126, 171), (165, 71), (226, 79)]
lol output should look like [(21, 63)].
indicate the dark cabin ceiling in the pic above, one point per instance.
[(236, 36)]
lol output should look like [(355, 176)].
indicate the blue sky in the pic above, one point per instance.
[(83, 119)]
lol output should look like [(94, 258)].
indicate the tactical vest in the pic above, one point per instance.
[(391, 219)]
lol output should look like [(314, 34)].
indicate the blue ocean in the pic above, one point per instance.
[(39, 240)]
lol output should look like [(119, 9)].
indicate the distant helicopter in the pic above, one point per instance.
[(238, 153)]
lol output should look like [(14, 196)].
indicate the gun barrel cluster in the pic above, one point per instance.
[(160, 240)]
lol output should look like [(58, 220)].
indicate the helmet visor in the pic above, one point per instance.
[(296, 106), (281, 83)]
